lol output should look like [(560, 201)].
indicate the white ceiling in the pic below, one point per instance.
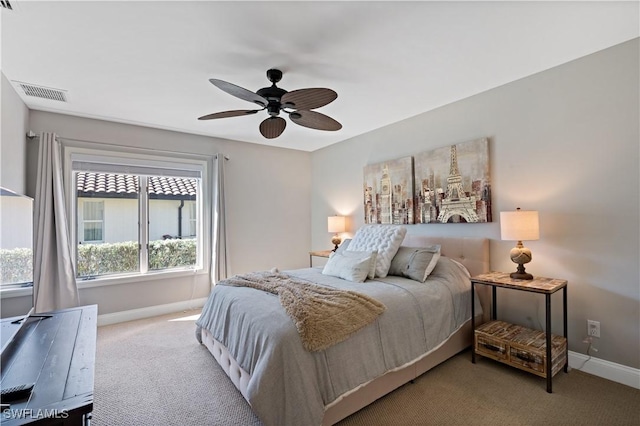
[(148, 63)]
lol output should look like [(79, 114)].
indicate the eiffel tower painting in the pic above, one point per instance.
[(452, 184)]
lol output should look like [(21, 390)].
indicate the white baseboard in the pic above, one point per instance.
[(606, 369), (150, 311)]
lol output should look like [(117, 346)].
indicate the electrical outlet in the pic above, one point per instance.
[(593, 328)]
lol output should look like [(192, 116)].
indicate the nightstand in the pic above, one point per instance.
[(321, 253), (534, 351)]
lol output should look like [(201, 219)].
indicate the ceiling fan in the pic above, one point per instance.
[(297, 103)]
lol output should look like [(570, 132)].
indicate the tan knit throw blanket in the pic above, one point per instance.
[(323, 315)]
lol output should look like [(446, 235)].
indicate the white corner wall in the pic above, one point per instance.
[(14, 125), (565, 142)]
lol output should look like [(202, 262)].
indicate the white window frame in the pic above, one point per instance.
[(193, 219), (139, 162)]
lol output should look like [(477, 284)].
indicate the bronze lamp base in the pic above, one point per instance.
[(336, 240), (520, 274)]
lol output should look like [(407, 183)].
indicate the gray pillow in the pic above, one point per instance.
[(415, 263)]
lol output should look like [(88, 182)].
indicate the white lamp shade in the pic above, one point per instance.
[(335, 224), (519, 225)]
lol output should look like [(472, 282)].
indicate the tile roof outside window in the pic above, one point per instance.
[(128, 184), (172, 186)]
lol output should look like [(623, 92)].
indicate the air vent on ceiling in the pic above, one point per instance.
[(42, 92), (6, 4)]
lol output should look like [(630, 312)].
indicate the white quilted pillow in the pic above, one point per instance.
[(385, 239)]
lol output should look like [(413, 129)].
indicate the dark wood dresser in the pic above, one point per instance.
[(55, 352)]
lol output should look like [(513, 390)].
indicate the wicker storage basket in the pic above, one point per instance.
[(520, 347)]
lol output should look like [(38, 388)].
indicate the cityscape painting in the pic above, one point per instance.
[(452, 184), (388, 192)]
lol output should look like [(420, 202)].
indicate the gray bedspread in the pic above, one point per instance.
[(291, 386)]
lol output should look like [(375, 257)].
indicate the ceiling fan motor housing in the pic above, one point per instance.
[(273, 95)]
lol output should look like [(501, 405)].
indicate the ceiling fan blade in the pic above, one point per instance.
[(315, 120), (272, 127), (239, 92), (226, 114), (307, 99)]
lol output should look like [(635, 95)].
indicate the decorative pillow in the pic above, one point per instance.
[(374, 254), (353, 267), (384, 239), (415, 263)]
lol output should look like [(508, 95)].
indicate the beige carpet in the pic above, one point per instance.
[(154, 372)]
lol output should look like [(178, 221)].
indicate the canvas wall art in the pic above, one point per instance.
[(388, 192), (452, 184)]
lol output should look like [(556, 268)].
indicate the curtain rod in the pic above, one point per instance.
[(32, 135)]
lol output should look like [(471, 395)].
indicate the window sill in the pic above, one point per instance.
[(131, 279), (7, 293)]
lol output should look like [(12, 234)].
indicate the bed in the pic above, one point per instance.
[(257, 345)]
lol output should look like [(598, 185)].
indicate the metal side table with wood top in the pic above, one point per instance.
[(320, 253), (535, 351)]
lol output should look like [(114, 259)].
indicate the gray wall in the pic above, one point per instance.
[(564, 142), (268, 205)]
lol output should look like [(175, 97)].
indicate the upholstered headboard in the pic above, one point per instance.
[(473, 253)]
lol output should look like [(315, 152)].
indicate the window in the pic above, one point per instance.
[(16, 240), (171, 243), (136, 218), (92, 221), (113, 249)]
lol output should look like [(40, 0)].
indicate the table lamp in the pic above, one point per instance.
[(336, 225), (520, 226)]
